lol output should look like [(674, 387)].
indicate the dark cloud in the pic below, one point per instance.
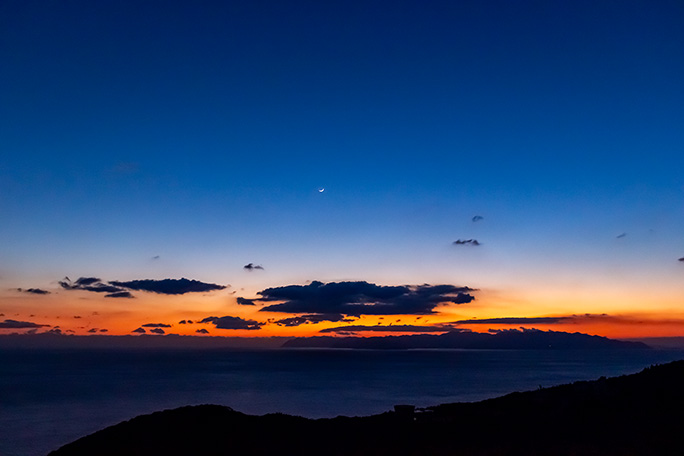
[(89, 284), (55, 330), (120, 294), (93, 330), (621, 235), (183, 322), (245, 301), (467, 242), (515, 321), (387, 328), (477, 218), (37, 291), (156, 325), (362, 298), (681, 259), (169, 286), (157, 331), (156, 257), (14, 324), (104, 330), (139, 330), (229, 322), (202, 331), (573, 319), (252, 266), (312, 318), (77, 316), (83, 281)]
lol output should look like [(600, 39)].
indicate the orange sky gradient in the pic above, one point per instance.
[(78, 312)]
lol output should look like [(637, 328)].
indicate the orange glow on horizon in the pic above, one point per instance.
[(84, 313)]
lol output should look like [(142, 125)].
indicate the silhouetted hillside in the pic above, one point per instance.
[(638, 414), (507, 339)]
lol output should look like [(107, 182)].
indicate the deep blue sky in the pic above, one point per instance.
[(201, 132)]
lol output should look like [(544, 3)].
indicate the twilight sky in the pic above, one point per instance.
[(351, 153)]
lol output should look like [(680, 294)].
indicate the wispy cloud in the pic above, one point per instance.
[(120, 294), (93, 284), (573, 319), (14, 324), (245, 301), (474, 242), (389, 328), (515, 321), (36, 291), (252, 267)]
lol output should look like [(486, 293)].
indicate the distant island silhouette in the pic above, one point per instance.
[(638, 414), (505, 339), (460, 339)]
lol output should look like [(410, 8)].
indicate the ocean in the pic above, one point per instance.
[(52, 397)]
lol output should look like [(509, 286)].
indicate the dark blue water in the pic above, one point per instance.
[(51, 397)]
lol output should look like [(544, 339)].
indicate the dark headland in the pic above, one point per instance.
[(639, 414)]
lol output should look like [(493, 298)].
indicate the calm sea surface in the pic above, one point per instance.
[(51, 397)]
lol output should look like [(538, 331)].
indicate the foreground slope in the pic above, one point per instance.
[(640, 414)]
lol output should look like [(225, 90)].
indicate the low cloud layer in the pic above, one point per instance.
[(14, 324), (156, 325), (228, 322), (312, 318), (516, 321), (574, 319), (362, 298), (388, 328)]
